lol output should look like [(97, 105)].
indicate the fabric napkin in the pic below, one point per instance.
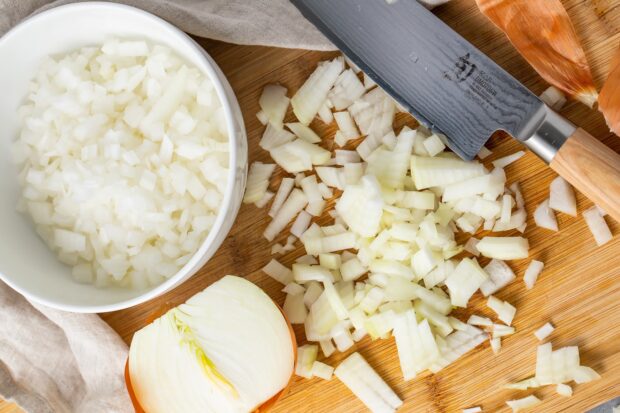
[(54, 361)]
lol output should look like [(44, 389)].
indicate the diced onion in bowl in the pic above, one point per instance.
[(127, 161)]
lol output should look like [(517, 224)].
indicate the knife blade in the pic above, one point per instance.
[(443, 80), (453, 88)]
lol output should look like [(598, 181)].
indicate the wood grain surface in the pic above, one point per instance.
[(578, 291), (592, 168)]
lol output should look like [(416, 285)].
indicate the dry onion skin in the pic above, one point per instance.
[(227, 349), (609, 98), (123, 157), (543, 34)]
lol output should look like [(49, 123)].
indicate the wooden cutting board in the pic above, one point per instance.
[(578, 291)]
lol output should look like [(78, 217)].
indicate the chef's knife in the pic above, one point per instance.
[(607, 407), (453, 88)]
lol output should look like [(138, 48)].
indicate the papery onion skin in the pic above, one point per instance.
[(543, 34), (609, 98)]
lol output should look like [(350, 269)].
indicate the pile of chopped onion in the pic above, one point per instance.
[(389, 264), (123, 157)]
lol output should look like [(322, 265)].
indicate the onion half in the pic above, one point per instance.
[(228, 348)]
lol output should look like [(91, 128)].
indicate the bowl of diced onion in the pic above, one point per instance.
[(123, 157)]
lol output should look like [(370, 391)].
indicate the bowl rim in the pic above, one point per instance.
[(220, 83)]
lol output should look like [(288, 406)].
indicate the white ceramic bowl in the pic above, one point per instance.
[(26, 264)]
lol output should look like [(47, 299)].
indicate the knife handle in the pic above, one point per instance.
[(592, 168)]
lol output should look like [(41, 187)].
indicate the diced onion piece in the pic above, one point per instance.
[(322, 370), (518, 405), (372, 300), (301, 223), (267, 196), (293, 289), (417, 348), (313, 291), (278, 272), (342, 337), (434, 145), (430, 172), (475, 409), (306, 356), (310, 97), (361, 206), (553, 97), (273, 103), (347, 89), (500, 275), (262, 117), (544, 331), (311, 188), (504, 248), (330, 176), (306, 272), (294, 308), (291, 207), (500, 330), (523, 384), (327, 347), (564, 390), (257, 182), (352, 269), (457, 344), (476, 320), (274, 137), (334, 300), (346, 125), (504, 310), (303, 132), (532, 272), (285, 188), (545, 217), (507, 160), (374, 113), (584, 374), (367, 385), (69, 241), (330, 261), (344, 157), (464, 281), (496, 344), (325, 114), (562, 197), (516, 190), (597, 225)]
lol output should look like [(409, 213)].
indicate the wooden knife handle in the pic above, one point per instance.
[(592, 168)]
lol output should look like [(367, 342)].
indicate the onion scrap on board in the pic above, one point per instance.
[(544, 35)]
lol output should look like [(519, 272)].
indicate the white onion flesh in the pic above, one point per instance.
[(562, 197), (597, 225), (544, 331), (124, 161), (545, 217), (227, 348), (523, 404), (367, 385), (532, 272), (274, 103)]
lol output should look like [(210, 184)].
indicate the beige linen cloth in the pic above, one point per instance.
[(54, 361)]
